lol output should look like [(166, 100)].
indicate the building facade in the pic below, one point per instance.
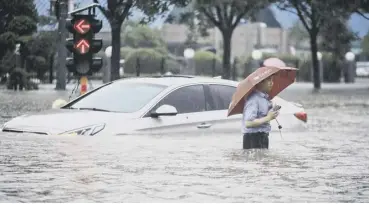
[(245, 38)]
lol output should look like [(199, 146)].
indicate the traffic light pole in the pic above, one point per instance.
[(62, 51), (83, 45), (83, 82), (83, 78)]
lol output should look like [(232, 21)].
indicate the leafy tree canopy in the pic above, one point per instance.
[(136, 35), (18, 19), (365, 44)]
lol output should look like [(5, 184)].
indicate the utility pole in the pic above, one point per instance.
[(62, 51)]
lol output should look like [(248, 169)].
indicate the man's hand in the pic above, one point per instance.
[(257, 122), (272, 115)]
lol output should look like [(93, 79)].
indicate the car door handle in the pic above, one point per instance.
[(204, 125)]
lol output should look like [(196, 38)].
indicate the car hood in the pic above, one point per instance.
[(56, 121)]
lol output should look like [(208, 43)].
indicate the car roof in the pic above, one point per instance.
[(178, 80)]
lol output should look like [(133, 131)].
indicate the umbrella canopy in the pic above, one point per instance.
[(282, 78), (274, 62)]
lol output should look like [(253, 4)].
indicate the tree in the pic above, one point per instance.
[(315, 14), (358, 6), (365, 44), (225, 15), (337, 37), (9, 9), (40, 51), (298, 34), (312, 15), (18, 20), (141, 36), (117, 11)]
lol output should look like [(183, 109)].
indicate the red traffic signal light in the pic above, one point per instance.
[(82, 26), (82, 46)]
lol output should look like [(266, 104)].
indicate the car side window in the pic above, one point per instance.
[(221, 95), (187, 99)]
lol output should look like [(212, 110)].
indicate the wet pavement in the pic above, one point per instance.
[(327, 162)]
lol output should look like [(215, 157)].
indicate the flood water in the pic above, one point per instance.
[(327, 162)]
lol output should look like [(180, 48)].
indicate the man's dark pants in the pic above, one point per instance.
[(258, 140)]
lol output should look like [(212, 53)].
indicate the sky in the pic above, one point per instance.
[(357, 23)]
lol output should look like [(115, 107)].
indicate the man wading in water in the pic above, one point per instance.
[(257, 114)]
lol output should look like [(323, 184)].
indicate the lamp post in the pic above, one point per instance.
[(106, 69), (189, 54), (350, 71), (321, 66), (18, 59), (61, 74), (256, 56), (261, 35)]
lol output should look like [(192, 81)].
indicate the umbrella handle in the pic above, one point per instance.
[(279, 127)]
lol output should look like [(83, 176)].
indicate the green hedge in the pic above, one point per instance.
[(124, 52), (331, 69), (245, 66), (149, 61), (205, 61)]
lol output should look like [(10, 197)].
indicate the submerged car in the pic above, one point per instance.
[(150, 105)]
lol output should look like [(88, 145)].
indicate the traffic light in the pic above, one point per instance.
[(83, 45)]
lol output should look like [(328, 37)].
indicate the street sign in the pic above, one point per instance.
[(82, 26), (82, 46)]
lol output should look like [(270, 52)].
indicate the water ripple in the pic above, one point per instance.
[(327, 162)]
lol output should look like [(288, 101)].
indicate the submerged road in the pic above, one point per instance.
[(327, 162)]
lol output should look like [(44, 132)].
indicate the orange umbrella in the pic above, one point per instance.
[(282, 78), (273, 61)]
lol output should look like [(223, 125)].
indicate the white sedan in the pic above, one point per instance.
[(151, 105)]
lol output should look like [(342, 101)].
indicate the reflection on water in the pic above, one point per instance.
[(329, 162)]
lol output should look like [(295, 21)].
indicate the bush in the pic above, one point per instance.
[(7, 63), (172, 66), (245, 66), (125, 51), (19, 79), (161, 50), (150, 61), (305, 71), (205, 61), (332, 68)]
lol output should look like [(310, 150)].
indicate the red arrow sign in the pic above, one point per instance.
[(82, 46), (82, 26)]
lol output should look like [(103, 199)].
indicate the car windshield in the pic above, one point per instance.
[(126, 97)]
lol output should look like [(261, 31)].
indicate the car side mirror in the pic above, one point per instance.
[(164, 110)]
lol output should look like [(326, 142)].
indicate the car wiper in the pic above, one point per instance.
[(94, 109), (68, 108)]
